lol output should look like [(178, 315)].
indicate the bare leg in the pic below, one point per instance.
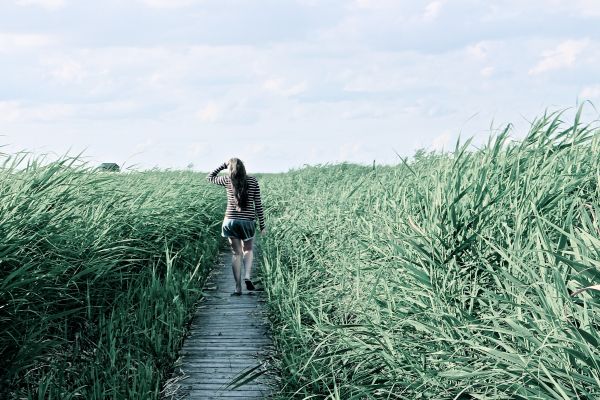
[(236, 262), (248, 255)]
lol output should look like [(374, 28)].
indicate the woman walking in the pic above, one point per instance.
[(243, 204)]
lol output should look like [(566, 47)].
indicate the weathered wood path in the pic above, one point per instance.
[(229, 335)]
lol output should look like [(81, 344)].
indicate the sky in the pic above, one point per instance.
[(284, 83)]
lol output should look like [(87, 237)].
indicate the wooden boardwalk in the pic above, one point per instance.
[(229, 336)]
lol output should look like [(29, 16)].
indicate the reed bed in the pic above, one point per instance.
[(99, 273), (450, 276)]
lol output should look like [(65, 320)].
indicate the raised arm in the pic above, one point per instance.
[(258, 207), (213, 178)]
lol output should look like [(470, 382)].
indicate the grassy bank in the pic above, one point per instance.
[(98, 275), (448, 277)]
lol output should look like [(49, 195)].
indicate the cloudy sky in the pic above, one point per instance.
[(282, 83)]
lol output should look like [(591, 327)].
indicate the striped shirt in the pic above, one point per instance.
[(253, 206)]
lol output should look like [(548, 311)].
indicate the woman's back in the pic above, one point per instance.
[(253, 206)]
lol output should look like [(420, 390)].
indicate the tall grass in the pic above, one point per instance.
[(98, 276), (447, 277)]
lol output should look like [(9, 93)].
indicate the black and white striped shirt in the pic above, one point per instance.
[(254, 204)]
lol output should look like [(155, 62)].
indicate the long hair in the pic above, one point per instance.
[(239, 181)]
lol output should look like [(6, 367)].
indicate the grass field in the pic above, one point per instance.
[(98, 275), (449, 276), (446, 277)]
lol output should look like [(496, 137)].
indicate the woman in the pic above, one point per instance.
[(243, 204)]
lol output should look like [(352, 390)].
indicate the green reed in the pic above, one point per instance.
[(99, 273), (446, 277)]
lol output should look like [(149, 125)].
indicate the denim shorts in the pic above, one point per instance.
[(238, 228)]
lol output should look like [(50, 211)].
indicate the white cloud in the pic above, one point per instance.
[(51, 112), (19, 111), (588, 8), (209, 112), (351, 151), (228, 110), (47, 4), (337, 72), (257, 148), (382, 76), (197, 149), (110, 109), (144, 146), (65, 70), (432, 10), (590, 92), (426, 108), (309, 3), (365, 111), (585, 8), (486, 72), (9, 111), (441, 141), (280, 87), (563, 56), (168, 3), (18, 41), (15, 111), (375, 4), (479, 51)]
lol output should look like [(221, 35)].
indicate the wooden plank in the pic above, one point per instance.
[(222, 385), (216, 373), (256, 341), (211, 395), (229, 344), (220, 364), (239, 360), (228, 336), (216, 353), (237, 343), (219, 375), (222, 389)]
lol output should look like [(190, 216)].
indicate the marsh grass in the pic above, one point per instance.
[(98, 275), (446, 277)]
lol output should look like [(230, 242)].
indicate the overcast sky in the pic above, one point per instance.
[(282, 83)]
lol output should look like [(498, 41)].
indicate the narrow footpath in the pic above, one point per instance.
[(229, 337)]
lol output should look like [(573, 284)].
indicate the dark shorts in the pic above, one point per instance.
[(238, 228)]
